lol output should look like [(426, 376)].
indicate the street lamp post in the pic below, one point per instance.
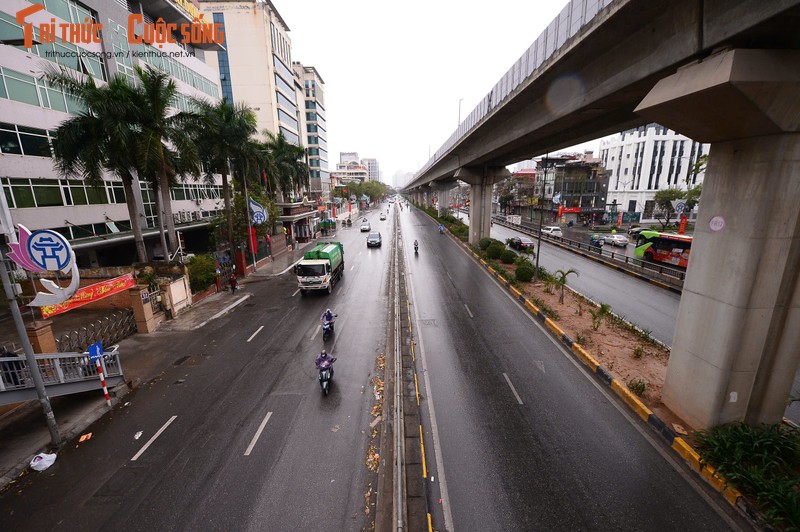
[(459, 111)]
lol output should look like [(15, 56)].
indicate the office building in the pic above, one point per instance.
[(641, 161), (94, 219)]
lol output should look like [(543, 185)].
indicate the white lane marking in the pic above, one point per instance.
[(540, 365), (468, 311), (255, 333), (437, 446), (351, 267), (513, 390), (615, 401), (315, 332), (257, 434), (296, 292), (151, 440)]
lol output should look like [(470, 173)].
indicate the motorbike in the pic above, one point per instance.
[(327, 330), (349, 222), (326, 375), (416, 248)]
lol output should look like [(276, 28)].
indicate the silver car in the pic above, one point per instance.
[(616, 240)]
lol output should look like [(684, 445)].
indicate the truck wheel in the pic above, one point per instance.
[(330, 287)]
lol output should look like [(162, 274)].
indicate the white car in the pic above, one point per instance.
[(616, 240), (383, 216), (552, 230), (365, 227)]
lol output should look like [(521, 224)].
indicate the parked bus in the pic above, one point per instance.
[(668, 248)]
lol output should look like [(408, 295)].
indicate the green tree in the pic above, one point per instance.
[(223, 135), (289, 172), (164, 148), (99, 138), (561, 281), (663, 199)]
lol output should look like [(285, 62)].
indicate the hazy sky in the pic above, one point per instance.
[(394, 72)]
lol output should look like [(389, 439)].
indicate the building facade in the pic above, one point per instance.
[(256, 66), (94, 219), (642, 161), (373, 169), (315, 131)]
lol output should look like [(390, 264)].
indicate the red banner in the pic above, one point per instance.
[(88, 294), (253, 240)]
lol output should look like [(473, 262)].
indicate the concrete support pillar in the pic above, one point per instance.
[(442, 200), (480, 198), (737, 341)]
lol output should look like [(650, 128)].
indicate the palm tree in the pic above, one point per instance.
[(99, 138), (290, 172), (561, 281), (223, 134), (164, 149)]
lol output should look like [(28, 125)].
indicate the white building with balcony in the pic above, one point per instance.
[(639, 162)]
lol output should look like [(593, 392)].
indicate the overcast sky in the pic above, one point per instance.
[(395, 72)]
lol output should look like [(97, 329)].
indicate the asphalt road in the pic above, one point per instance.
[(518, 435), (651, 308), (237, 436)]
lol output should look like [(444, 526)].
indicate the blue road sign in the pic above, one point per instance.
[(95, 350)]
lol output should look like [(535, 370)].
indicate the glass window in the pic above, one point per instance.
[(23, 195), (60, 8), (178, 193), (48, 196), (96, 195), (78, 194), (9, 196), (21, 88), (118, 193), (35, 145), (9, 142)]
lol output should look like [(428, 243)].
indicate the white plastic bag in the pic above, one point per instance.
[(42, 461)]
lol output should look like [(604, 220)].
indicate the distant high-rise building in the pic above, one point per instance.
[(348, 157), (315, 134), (373, 167), (255, 67)]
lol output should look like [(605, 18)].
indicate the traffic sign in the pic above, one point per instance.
[(95, 351), (679, 206)]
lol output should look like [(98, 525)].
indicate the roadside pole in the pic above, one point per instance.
[(95, 352), (249, 225), (30, 358)]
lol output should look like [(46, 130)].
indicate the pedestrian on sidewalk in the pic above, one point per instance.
[(233, 282)]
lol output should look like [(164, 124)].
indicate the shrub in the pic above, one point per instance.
[(202, 272), (637, 386), (484, 242), (638, 352), (508, 256), (494, 250), (524, 273), (762, 462)]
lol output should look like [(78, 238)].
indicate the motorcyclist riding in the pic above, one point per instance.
[(441, 228), (416, 246), (328, 317), (324, 361)]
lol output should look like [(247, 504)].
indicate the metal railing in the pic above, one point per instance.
[(647, 269), (57, 369), (107, 330)]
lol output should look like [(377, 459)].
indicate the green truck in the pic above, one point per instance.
[(322, 266)]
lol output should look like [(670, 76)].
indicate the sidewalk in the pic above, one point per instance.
[(23, 429)]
